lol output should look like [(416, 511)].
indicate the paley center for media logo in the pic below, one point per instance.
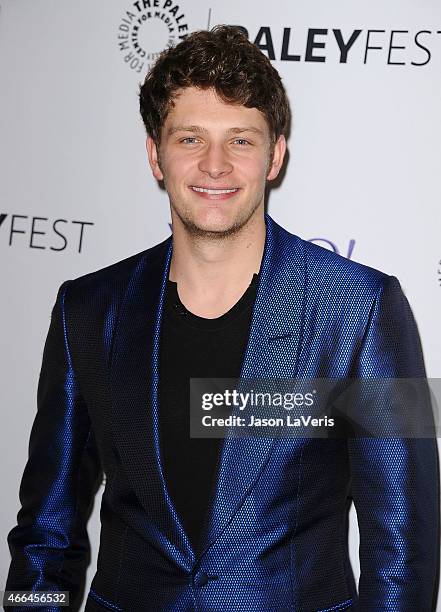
[(147, 28)]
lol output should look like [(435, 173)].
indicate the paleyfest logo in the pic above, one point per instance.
[(147, 28), (318, 45), (332, 246)]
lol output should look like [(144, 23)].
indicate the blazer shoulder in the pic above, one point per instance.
[(327, 268), (321, 264), (329, 277), (110, 283)]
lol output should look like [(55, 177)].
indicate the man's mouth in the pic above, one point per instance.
[(214, 191)]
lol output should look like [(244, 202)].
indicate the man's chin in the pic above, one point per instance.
[(213, 229), (215, 226)]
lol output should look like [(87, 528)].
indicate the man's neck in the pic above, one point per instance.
[(213, 274)]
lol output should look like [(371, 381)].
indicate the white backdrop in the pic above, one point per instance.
[(363, 175)]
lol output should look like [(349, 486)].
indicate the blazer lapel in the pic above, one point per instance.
[(272, 352), (134, 381)]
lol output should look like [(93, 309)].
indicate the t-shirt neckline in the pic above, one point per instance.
[(175, 308)]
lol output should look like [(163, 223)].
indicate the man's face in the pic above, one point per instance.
[(214, 159)]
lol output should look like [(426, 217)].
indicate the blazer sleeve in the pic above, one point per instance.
[(395, 481), (49, 545)]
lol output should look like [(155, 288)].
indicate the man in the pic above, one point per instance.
[(252, 523)]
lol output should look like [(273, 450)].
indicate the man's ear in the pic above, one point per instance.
[(152, 152), (278, 156)]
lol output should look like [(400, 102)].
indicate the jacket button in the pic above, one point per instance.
[(200, 579)]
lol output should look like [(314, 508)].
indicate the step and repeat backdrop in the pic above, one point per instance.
[(76, 193)]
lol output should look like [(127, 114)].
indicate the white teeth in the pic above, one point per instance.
[(213, 191)]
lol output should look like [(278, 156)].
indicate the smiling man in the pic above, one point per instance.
[(215, 159), (203, 524)]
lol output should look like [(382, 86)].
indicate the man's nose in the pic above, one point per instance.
[(215, 162)]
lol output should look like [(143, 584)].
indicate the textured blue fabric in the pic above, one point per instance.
[(276, 538)]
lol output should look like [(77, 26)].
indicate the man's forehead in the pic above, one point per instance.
[(194, 101), (200, 111)]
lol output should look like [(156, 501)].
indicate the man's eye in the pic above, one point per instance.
[(189, 140), (241, 141)]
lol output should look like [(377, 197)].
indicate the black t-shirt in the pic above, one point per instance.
[(195, 347)]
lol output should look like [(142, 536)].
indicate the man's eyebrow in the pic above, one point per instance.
[(199, 129), (240, 130), (185, 128)]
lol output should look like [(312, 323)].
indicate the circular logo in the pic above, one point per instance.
[(147, 28)]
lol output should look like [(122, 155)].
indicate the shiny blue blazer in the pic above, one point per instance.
[(276, 534)]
